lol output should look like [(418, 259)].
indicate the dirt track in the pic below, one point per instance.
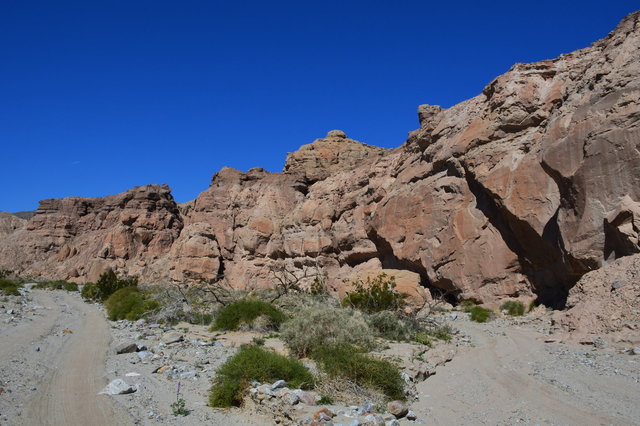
[(56, 374), (511, 376)]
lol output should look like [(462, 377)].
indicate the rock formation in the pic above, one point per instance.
[(517, 192), (9, 223)]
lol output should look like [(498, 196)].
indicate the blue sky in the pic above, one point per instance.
[(100, 96)]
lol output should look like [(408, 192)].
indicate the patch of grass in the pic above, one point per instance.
[(107, 284), (423, 338), (480, 314), (364, 370), (129, 303), (325, 400), (244, 312), (513, 308), (375, 295), (255, 363), (318, 325), (258, 341), (9, 288)]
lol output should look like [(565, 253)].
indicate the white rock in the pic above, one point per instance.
[(118, 387)]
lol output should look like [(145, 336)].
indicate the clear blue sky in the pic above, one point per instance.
[(99, 96)]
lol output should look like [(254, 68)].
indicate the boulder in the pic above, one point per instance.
[(118, 387)]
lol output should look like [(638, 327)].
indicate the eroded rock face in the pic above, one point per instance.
[(514, 193), (82, 237), (9, 223), (333, 153)]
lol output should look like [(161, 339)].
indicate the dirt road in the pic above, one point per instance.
[(53, 364), (511, 376)]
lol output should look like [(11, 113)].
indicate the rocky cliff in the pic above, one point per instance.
[(517, 192)]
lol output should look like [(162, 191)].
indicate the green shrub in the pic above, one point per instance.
[(480, 314), (318, 325), (348, 362), (388, 326), (422, 338), (244, 312), (129, 303), (375, 295), (325, 400), (532, 305), (467, 305), (9, 288), (107, 284), (513, 308), (255, 363)]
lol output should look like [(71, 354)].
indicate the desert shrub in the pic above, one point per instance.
[(200, 318), (532, 305), (9, 288), (423, 338), (442, 332), (255, 363), (107, 284), (375, 295), (129, 303), (388, 326), (467, 305), (513, 308), (246, 311), (317, 325), (57, 285), (480, 314), (350, 363)]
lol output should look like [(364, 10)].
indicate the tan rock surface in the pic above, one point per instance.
[(520, 190), (9, 223)]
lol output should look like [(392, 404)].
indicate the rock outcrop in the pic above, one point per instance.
[(9, 223), (517, 192)]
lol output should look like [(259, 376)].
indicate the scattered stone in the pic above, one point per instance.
[(398, 408), (118, 387), (635, 350), (188, 375), (324, 414), (132, 374), (308, 398), (278, 384), (290, 398), (618, 284), (411, 415), (144, 355), (172, 337), (125, 348)]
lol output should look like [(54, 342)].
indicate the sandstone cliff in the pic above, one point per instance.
[(517, 192)]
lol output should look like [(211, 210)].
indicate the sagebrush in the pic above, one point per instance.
[(318, 325)]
